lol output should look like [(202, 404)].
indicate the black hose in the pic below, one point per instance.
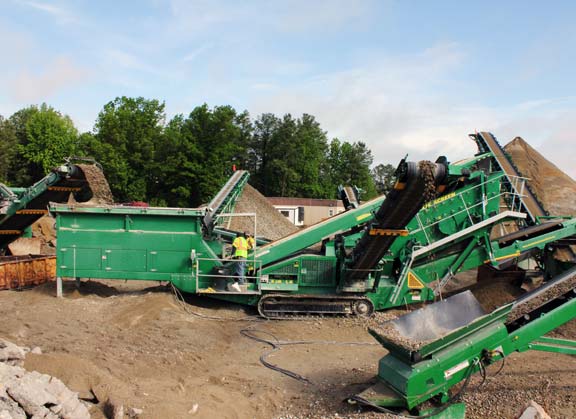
[(182, 303), (501, 365), (277, 344)]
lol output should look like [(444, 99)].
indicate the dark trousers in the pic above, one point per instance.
[(240, 269)]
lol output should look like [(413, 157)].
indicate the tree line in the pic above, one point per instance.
[(184, 161)]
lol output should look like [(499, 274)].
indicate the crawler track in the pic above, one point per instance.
[(290, 307)]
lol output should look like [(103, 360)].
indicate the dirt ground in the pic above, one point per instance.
[(138, 346)]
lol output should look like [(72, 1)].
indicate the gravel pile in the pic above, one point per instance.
[(554, 188), (270, 223)]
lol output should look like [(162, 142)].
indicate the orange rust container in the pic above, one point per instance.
[(18, 272)]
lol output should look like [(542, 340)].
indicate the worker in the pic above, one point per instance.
[(250, 240), (240, 245), (251, 246)]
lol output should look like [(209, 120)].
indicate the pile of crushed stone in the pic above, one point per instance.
[(270, 223)]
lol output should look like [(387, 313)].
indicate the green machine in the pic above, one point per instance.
[(21, 207), (395, 250), (434, 349)]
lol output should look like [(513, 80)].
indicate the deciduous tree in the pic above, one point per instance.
[(126, 135), (51, 137)]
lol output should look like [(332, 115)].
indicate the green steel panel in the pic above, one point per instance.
[(280, 286), (80, 258), (318, 272), (168, 261), (128, 260)]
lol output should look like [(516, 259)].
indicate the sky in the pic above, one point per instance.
[(405, 77)]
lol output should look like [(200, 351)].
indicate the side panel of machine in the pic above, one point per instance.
[(130, 246), (310, 274)]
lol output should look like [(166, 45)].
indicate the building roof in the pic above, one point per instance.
[(305, 202)]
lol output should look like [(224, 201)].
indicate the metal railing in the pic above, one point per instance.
[(512, 199), (253, 264)]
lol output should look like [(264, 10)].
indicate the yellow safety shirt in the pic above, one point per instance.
[(241, 246)]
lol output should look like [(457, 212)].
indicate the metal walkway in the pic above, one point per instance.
[(488, 143)]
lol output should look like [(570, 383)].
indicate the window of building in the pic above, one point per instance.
[(301, 215), (285, 213)]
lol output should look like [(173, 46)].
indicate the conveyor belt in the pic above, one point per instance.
[(301, 239), (417, 186), (19, 217), (488, 143), (348, 197), (528, 232), (531, 302), (225, 197)]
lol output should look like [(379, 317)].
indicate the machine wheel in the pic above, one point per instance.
[(363, 308)]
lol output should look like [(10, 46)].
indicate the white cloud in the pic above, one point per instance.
[(398, 105), (116, 58), (293, 16), (320, 15), (192, 55), (61, 14), (61, 73)]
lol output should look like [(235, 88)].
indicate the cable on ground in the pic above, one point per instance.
[(277, 344), (186, 307)]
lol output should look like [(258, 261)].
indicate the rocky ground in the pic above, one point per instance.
[(139, 348)]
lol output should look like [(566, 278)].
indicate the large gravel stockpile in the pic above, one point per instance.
[(554, 188), (270, 223)]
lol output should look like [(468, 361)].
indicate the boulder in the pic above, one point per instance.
[(533, 411), (11, 354)]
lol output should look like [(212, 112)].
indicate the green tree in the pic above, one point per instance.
[(126, 134), (22, 171), (8, 149), (349, 164), (178, 166), (260, 151), (287, 155), (50, 136), (220, 138), (384, 178), (311, 147)]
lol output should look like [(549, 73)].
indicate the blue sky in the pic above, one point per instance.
[(403, 76)]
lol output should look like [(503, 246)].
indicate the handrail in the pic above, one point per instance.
[(467, 208), (257, 268)]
